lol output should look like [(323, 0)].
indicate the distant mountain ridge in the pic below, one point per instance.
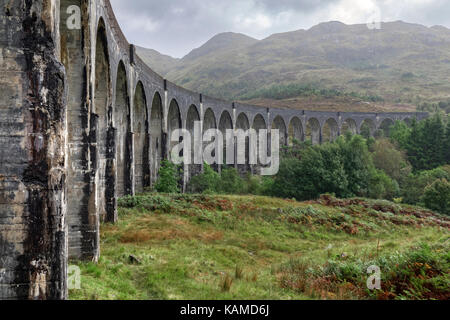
[(400, 63)]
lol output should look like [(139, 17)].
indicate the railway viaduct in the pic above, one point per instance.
[(83, 120)]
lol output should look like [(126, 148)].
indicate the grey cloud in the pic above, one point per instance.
[(175, 27)]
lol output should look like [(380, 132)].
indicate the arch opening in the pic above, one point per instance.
[(278, 123), (105, 187), (349, 125), (123, 134), (384, 130), (192, 117), (259, 123), (295, 131), (330, 130), (408, 121), (243, 123), (368, 128), (140, 135), (313, 133), (173, 123), (225, 123), (209, 122), (156, 137)]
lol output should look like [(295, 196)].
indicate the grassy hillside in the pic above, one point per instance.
[(402, 63), (236, 247)]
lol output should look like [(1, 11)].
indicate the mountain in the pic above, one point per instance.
[(160, 63), (222, 42), (400, 64)]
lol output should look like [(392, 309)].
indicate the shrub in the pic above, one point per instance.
[(382, 186), (168, 178), (205, 182), (230, 182), (413, 186), (343, 168), (437, 196)]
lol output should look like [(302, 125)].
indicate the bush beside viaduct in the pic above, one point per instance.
[(83, 120)]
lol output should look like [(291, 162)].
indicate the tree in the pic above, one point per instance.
[(382, 186), (392, 161), (357, 164), (437, 196), (424, 142), (447, 143), (342, 168), (400, 133), (433, 137), (168, 178), (413, 186)]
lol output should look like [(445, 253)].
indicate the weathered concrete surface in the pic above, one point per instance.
[(33, 246), (101, 129)]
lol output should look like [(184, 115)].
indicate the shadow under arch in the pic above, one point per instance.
[(279, 124), (157, 141), (384, 130), (141, 141), (226, 123), (349, 125), (330, 130), (243, 123), (105, 137), (122, 124), (295, 131), (367, 128), (313, 129), (209, 122), (193, 115), (173, 123)]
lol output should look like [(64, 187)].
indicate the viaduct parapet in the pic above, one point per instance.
[(83, 121)]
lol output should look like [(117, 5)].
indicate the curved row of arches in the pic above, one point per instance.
[(135, 133)]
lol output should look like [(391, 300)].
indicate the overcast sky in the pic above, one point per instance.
[(175, 27)]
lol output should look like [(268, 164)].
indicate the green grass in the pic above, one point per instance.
[(240, 247)]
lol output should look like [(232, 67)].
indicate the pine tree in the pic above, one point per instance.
[(413, 146), (433, 133), (447, 143)]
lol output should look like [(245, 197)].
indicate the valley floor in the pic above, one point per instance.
[(242, 247)]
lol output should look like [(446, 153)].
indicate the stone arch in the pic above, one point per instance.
[(243, 123), (384, 129), (105, 186), (408, 121), (156, 137), (278, 123), (173, 123), (313, 133), (140, 136), (295, 130), (209, 122), (330, 130), (349, 125), (259, 123), (122, 124), (193, 116), (225, 123), (367, 128)]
